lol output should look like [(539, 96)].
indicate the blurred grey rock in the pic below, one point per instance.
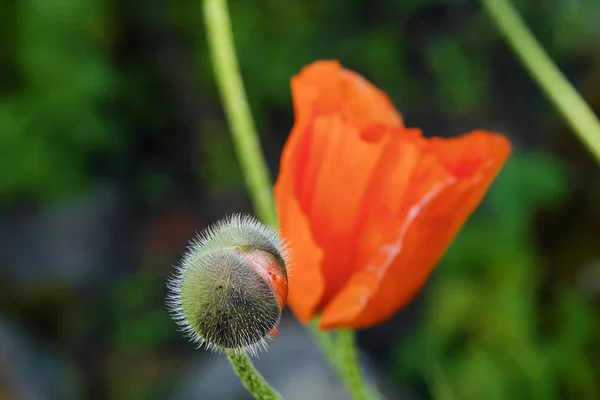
[(77, 242), (293, 365), (29, 371)]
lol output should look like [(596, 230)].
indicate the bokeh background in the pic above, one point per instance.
[(114, 151)]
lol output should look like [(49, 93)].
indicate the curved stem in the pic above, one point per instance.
[(233, 96), (326, 341), (251, 378), (350, 365), (566, 99), (231, 88), (341, 352)]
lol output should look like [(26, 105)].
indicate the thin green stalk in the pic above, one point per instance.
[(326, 341), (566, 99), (233, 96), (340, 350), (350, 365), (251, 378), (246, 142), (248, 149)]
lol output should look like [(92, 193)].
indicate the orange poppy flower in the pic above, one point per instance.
[(368, 205)]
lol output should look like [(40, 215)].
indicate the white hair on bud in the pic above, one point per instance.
[(226, 234)]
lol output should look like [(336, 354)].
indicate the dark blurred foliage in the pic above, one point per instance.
[(114, 151)]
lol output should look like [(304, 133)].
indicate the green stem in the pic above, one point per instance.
[(237, 110), (251, 378), (568, 102), (326, 341), (245, 138), (350, 365), (246, 142), (340, 351)]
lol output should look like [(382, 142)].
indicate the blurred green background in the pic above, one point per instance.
[(114, 152)]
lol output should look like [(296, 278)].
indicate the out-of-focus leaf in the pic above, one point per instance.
[(461, 79)]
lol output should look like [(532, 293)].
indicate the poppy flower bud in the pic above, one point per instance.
[(231, 286)]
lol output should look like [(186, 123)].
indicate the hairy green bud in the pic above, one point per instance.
[(231, 286)]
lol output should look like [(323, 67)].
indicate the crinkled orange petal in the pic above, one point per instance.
[(447, 182), (339, 117), (334, 201), (306, 284), (325, 87), (305, 281)]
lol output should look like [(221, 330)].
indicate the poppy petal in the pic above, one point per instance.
[(447, 183), (306, 287), (340, 118), (334, 200), (325, 87)]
